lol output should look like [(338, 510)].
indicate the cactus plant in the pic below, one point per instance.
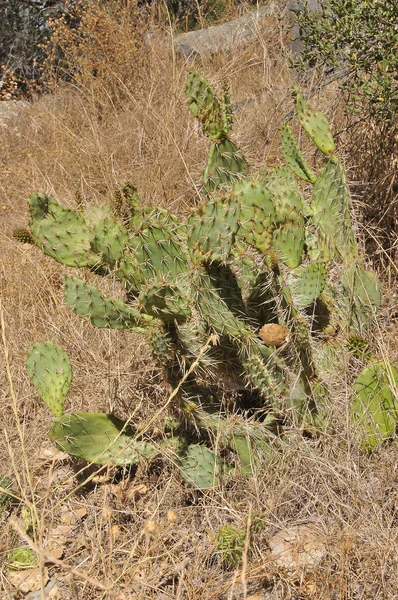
[(100, 438), (375, 403), (50, 371), (21, 558), (257, 251)]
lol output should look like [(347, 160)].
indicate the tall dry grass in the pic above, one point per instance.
[(123, 116)]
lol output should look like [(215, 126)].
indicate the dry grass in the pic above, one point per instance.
[(144, 534)]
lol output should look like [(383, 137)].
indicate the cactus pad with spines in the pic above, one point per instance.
[(212, 229), (257, 253), (165, 302), (309, 284), (50, 371), (256, 216), (99, 438), (103, 311), (59, 232), (375, 403), (289, 233), (225, 165), (360, 299), (109, 239), (315, 124), (199, 467), (294, 157), (330, 212)]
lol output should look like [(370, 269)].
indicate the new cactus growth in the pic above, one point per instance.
[(257, 252), (51, 373)]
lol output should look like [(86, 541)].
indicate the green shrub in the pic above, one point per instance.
[(358, 40)]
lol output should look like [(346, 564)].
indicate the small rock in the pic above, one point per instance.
[(299, 547)]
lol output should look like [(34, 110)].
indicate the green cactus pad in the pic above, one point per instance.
[(204, 104), (124, 203), (375, 403), (99, 438), (225, 165), (59, 232), (288, 241), (289, 234), (109, 239), (51, 373), (212, 228), (293, 156), (315, 124), (331, 212), (165, 302), (103, 311), (230, 545), (21, 558), (257, 214), (262, 375), (309, 285), (156, 254), (212, 302), (161, 343), (226, 108), (361, 297), (5, 493), (199, 467), (242, 446)]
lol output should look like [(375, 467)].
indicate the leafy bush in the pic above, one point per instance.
[(358, 40)]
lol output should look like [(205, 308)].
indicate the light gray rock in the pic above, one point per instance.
[(294, 7), (224, 37)]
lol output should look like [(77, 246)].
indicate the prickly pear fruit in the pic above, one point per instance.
[(99, 438), (375, 403), (51, 373), (273, 334)]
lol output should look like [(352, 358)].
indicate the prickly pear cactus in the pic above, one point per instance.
[(50, 371), (203, 288), (374, 408), (200, 467), (100, 439)]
